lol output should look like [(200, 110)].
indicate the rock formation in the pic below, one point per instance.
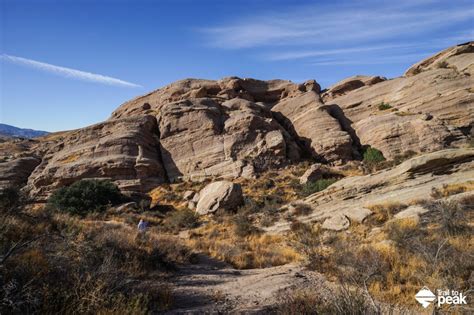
[(199, 129)]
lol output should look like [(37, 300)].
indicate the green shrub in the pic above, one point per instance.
[(373, 156), (384, 106), (321, 184), (85, 196)]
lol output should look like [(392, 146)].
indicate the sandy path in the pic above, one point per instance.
[(213, 286)]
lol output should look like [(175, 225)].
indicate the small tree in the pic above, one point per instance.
[(85, 196)]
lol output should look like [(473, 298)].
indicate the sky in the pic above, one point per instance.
[(67, 64)]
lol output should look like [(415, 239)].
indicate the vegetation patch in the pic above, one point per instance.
[(316, 186), (384, 106), (85, 196)]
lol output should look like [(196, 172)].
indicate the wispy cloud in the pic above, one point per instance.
[(68, 72), (324, 52), (402, 59), (369, 25)]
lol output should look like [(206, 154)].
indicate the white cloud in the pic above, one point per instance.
[(68, 72), (352, 24)]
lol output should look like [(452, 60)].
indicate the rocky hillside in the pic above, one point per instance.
[(194, 129)]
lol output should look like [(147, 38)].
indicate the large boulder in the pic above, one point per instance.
[(314, 172), (222, 195)]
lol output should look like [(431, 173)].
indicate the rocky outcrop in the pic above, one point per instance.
[(458, 58), (441, 89), (15, 173), (201, 138), (125, 151), (227, 88), (350, 84), (198, 129), (222, 195), (310, 121), (410, 181)]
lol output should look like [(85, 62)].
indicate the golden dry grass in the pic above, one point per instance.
[(256, 250)]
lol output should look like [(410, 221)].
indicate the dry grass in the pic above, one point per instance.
[(71, 158), (405, 256), (62, 264), (254, 250), (384, 211), (451, 189)]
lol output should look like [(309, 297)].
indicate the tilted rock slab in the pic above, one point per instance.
[(412, 180), (222, 195)]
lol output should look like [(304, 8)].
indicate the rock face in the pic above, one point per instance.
[(16, 172), (124, 150), (222, 195), (310, 121), (202, 138)]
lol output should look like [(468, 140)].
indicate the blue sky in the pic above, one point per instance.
[(68, 64)]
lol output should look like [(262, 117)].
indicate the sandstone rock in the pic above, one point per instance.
[(232, 87), (15, 173), (191, 205), (127, 207), (337, 222), (411, 212), (411, 180), (458, 57), (350, 84), (358, 214), (315, 172), (188, 195), (201, 138), (222, 195), (310, 122), (125, 151)]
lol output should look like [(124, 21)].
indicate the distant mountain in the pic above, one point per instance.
[(11, 131)]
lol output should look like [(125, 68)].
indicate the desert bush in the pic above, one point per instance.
[(402, 231), (384, 106), (243, 226), (319, 185), (9, 198), (85, 196), (341, 301), (453, 219), (69, 267), (373, 156), (180, 219)]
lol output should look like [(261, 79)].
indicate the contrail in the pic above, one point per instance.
[(68, 72)]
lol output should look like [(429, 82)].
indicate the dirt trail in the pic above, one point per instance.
[(213, 286)]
